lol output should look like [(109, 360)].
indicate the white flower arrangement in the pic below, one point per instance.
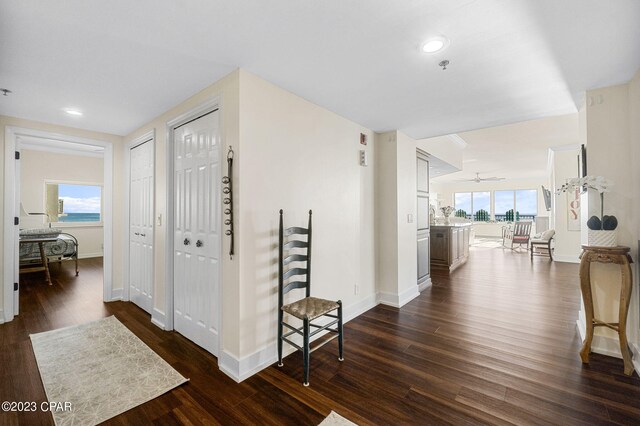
[(598, 183), (601, 185), (447, 210)]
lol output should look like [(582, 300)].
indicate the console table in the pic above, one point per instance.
[(619, 256)]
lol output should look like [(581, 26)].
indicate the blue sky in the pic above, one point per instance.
[(80, 198)]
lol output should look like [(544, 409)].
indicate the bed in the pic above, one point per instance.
[(41, 246)]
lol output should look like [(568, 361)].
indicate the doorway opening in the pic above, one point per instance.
[(58, 217)]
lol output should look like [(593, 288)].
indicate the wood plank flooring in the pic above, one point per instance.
[(493, 343)]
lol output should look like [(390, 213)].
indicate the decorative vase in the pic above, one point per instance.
[(602, 238)]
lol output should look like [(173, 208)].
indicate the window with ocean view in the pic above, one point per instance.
[(74, 203)]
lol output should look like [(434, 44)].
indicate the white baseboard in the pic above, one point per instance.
[(90, 255), (116, 294), (358, 308), (398, 300), (565, 258), (424, 285), (602, 345), (158, 318), (243, 368)]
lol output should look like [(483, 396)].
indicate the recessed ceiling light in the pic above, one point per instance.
[(72, 111), (435, 44)]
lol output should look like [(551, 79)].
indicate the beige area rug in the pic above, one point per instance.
[(101, 369), (488, 242), (335, 419)]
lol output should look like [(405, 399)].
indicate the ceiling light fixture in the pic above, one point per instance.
[(72, 111), (435, 44)]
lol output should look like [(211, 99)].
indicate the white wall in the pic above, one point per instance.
[(38, 167), (447, 148), (567, 243), (612, 135), (298, 156), (396, 198)]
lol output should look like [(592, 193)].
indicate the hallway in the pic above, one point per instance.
[(494, 343)]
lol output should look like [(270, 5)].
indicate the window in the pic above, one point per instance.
[(472, 202), (481, 201), (527, 203), (463, 202), (504, 201), (73, 203)]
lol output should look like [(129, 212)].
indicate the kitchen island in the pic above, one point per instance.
[(450, 245)]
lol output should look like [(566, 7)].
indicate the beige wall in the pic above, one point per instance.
[(298, 156), (227, 90), (116, 141), (612, 137), (36, 167)]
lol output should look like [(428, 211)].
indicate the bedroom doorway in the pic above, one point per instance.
[(56, 182)]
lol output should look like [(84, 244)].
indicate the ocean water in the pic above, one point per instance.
[(80, 217)]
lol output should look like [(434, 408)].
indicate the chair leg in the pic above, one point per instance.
[(549, 250), (531, 252), (280, 314), (305, 352), (340, 333)]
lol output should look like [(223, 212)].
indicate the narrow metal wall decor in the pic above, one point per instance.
[(228, 199)]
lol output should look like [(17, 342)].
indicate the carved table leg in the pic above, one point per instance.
[(625, 298), (585, 285)]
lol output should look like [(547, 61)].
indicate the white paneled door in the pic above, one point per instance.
[(141, 216), (197, 185)]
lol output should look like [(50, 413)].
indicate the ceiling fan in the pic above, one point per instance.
[(478, 179)]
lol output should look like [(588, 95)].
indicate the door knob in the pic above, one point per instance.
[(186, 242), (198, 243)]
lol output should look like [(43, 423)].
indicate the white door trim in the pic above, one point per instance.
[(192, 114), (12, 133), (149, 136)]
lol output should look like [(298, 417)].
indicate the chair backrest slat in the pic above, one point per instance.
[(295, 244), (293, 272), (293, 285), (295, 257), (295, 230)]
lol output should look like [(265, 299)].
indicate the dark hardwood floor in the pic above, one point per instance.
[(493, 343)]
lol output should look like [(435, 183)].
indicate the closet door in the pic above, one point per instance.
[(141, 214), (197, 186)]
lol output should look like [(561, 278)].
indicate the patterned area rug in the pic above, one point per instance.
[(98, 370), (335, 419)]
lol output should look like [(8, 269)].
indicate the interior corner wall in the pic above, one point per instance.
[(297, 156), (227, 90), (610, 152), (396, 218), (566, 242), (115, 140), (387, 212), (36, 167)]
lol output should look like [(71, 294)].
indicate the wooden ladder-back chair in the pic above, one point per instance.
[(518, 233), (306, 309)]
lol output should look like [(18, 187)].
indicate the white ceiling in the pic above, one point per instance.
[(125, 62), (514, 151)]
